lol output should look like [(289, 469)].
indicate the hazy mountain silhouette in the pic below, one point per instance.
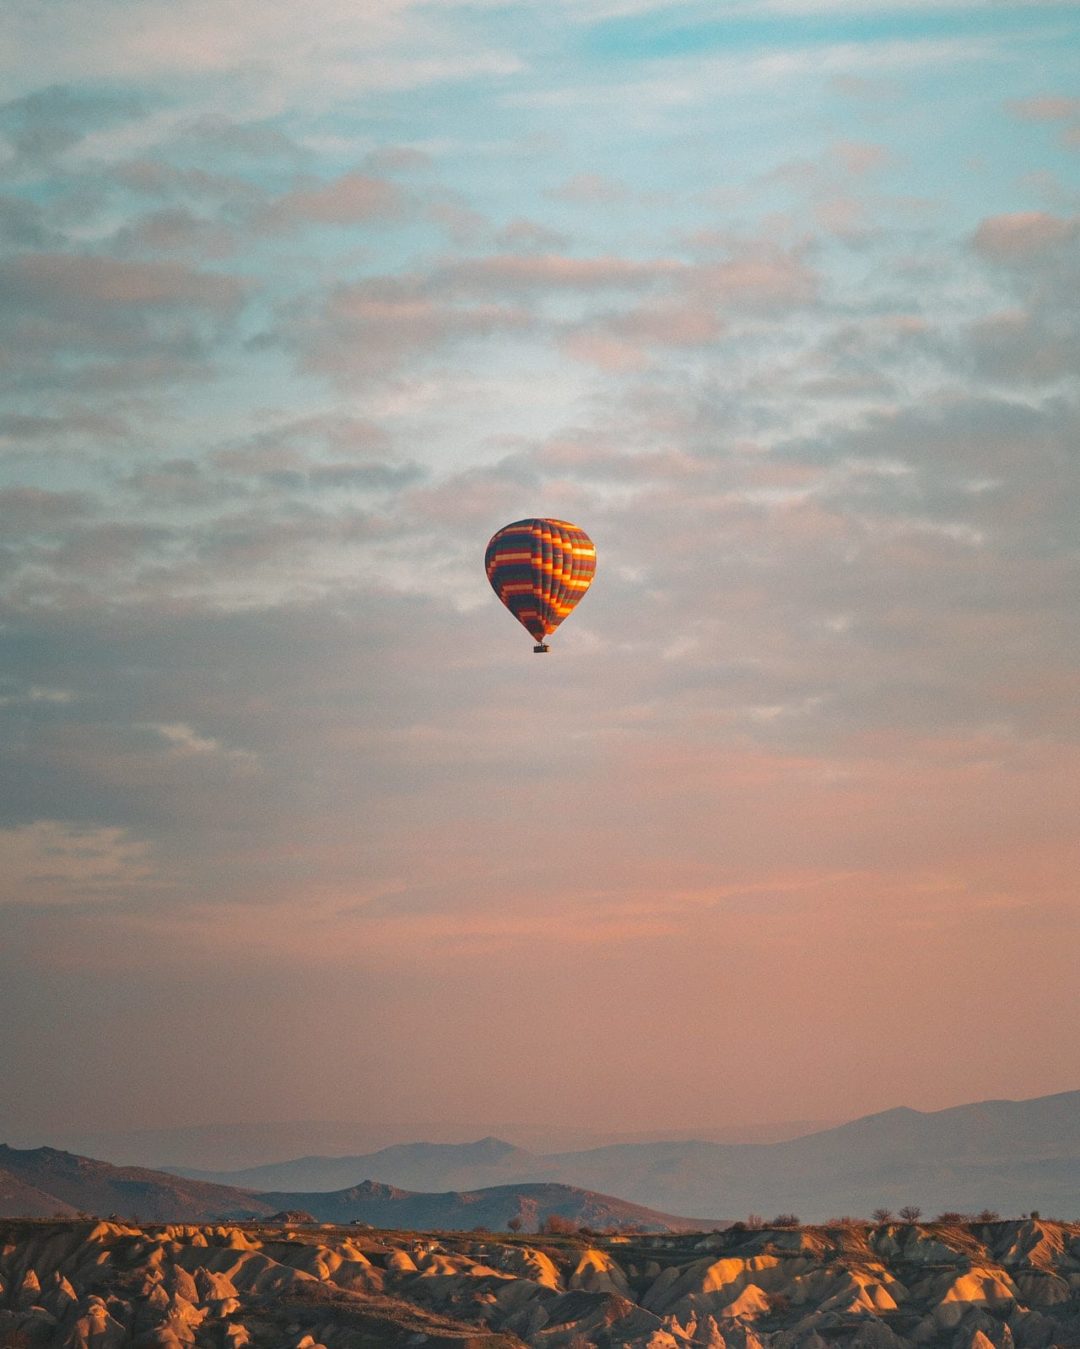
[(1009, 1155), (427, 1166), (212, 1148), (43, 1182)]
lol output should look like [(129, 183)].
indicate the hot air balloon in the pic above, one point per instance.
[(540, 569)]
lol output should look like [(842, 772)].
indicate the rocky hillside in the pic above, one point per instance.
[(1003, 1285), (45, 1183), (42, 1182), (494, 1207)]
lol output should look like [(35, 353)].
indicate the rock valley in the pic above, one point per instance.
[(86, 1285)]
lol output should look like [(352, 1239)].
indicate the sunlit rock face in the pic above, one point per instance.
[(82, 1285)]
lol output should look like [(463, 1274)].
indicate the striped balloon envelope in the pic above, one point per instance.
[(540, 569)]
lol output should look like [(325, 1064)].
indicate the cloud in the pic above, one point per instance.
[(26, 427), (372, 328), (623, 341), (1016, 345), (73, 286), (23, 224), (43, 124), (398, 159), (184, 741), (173, 483), (175, 230), (52, 862), (590, 189), (124, 320), (34, 510), (37, 694), (333, 51), (353, 199), (528, 236), (859, 158), (1045, 108), (378, 325), (214, 133), (758, 275), (551, 271), (296, 443), (1023, 234), (159, 178)]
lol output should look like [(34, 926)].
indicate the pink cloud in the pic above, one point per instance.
[(461, 224), (374, 326), (352, 199), (1022, 234), (624, 341), (174, 230), (587, 459), (603, 349), (528, 236), (590, 189), (761, 275), (29, 510), (859, 158), (64, 282), (1045, 108), (557, 272), (842, 216)]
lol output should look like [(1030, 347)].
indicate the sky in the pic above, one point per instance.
[(777, 300)]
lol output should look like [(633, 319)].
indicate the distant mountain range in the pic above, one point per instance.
[(44, 1182), (230, 1147), (1008, 1155)]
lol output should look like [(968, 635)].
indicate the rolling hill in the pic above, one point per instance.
[(44, 1182), (422, 1166), (1008, 1155)]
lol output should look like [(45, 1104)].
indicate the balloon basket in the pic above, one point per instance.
[(541, 646)]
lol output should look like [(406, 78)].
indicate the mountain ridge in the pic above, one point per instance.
[(1012, 1155), (44, 1182), (218, 1146)]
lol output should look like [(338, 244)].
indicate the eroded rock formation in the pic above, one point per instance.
[(1002, 1285)]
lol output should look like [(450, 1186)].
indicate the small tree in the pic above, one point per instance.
[(515, 1224), (555, 1225), (988, 1215), (911, 1213), (785, 1220), (882, 1215), (950, 1216)]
